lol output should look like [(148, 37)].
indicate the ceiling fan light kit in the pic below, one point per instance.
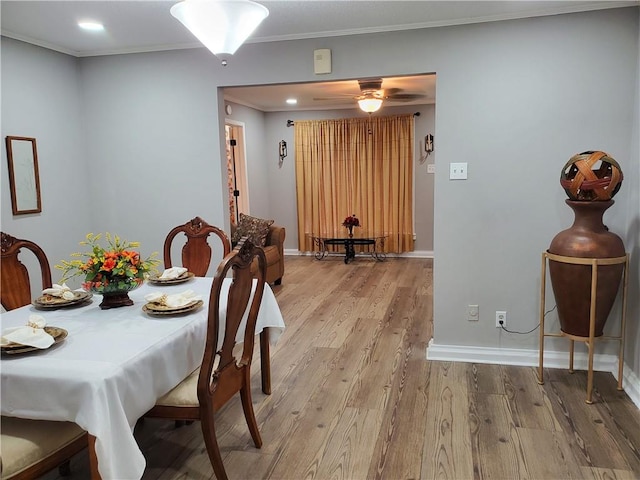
[(221, 25), (372, 95), (370, 105)]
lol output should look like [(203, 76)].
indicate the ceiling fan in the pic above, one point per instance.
[(372, 95)]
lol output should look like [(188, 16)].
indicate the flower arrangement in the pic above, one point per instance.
[(351, 221), (115, 269)]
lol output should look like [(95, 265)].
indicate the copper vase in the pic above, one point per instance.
[(588, 237)]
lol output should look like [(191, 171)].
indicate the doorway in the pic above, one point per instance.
[(236, 170)]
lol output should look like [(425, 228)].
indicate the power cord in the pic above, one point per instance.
[(501, 322)]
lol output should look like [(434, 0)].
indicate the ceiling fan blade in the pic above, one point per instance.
[(405, 97), (338, 97)]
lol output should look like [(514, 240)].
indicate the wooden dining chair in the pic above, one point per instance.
[(30, 448), (15, 285), (221, 375), (196, 252)]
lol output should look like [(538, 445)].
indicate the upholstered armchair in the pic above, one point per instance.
[(273, 243), (274, 251)]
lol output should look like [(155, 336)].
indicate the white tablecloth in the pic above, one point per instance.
[(112, 367)]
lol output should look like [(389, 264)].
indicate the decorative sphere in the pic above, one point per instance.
[(591, 176)]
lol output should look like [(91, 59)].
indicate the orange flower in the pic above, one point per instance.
[(132, 257), (109, 264)]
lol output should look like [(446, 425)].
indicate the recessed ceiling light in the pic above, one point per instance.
[(292, 101), (93, 26)]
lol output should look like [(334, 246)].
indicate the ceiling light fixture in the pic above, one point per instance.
[(370, 104), (221, 25), (93, 26), (292, 101)]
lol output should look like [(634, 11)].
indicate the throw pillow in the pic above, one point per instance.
[(254, 228)]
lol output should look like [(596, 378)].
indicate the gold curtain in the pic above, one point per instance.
[(361, 166)]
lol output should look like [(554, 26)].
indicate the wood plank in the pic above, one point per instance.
[(303, 452), (278, 416), (594, 473), (545, 457), (175, 451), (350, 445), (383, 357), (253, 464), (620, 418), (338, 323), (398, 451), (495, 445), (485, 378), (591, 441), (529, 403), (446, 452)]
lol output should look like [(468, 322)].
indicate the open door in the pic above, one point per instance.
[(236, 170)]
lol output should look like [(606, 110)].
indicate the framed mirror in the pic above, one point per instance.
[(24, 180)]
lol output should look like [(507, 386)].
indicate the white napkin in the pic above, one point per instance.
[(173, 301), (171, 273), (31, 334), (61, 291)]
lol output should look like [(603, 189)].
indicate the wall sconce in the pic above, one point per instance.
[(428, 144), (282, 152)]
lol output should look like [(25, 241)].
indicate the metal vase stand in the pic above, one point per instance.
[(590, 340)]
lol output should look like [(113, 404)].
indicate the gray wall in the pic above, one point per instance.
[(632, 233), (40, 99), (152, 129), (535, 93), (515, 100)]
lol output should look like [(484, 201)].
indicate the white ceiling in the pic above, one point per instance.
[(147, 25)]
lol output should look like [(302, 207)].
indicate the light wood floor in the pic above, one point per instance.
[(354, 398)]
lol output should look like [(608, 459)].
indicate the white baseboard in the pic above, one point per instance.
[(414, 254), (294, 252), (527, 357), (631, 384)]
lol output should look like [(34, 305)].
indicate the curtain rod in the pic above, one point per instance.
[(291, 123)]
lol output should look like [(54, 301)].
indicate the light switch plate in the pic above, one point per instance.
[(458, 171)]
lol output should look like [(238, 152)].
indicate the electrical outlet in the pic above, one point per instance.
[(473, 313), (501, 316)]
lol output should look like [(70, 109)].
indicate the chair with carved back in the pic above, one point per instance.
[(221, 375), (15, 285), (196, 252), (30, 448)]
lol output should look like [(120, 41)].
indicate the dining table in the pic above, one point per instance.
[(114, 364)]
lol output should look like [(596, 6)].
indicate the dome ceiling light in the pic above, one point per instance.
[(221, 25)]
